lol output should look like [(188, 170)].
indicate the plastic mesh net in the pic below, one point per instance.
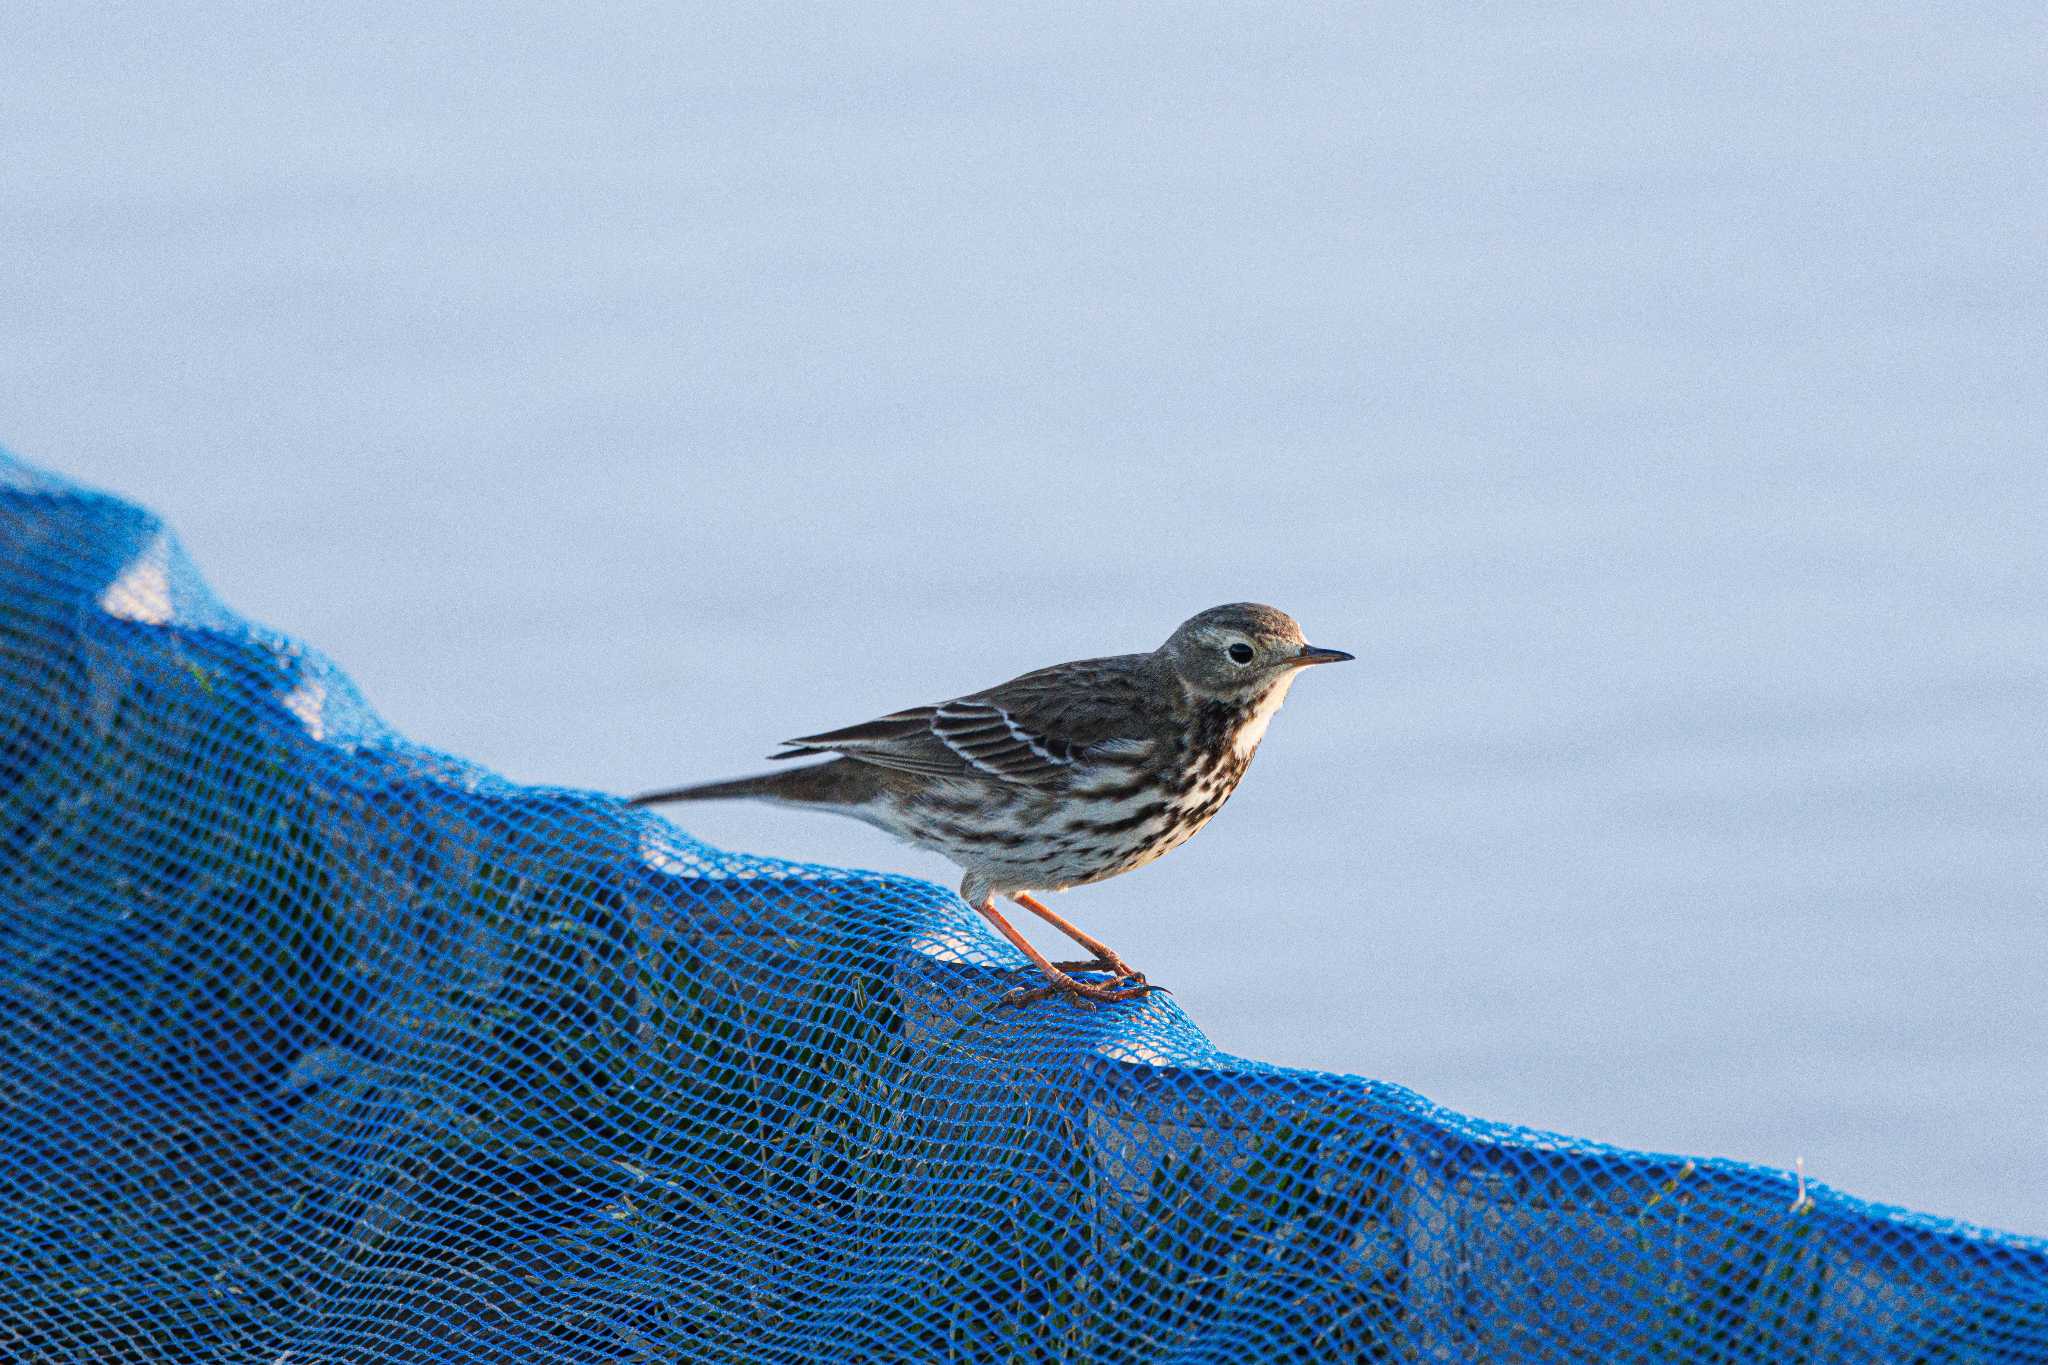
[(322, 1046)]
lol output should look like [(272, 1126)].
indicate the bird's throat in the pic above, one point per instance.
[(1256, 717), (1226, 733)]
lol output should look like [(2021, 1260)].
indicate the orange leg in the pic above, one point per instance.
[(1106, 957), (1060, 982)]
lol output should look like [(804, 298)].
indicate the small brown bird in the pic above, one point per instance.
[(1064, 776)]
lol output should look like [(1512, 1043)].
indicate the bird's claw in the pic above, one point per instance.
[(1086, 994), (1115, 966)]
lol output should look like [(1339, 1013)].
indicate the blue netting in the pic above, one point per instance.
[(321, 1046)]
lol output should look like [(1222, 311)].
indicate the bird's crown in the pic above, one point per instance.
[(1254, 622)]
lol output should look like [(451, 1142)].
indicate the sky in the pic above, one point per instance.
[(1654, 399)]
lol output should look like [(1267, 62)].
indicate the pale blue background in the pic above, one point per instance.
[(1654, 398)]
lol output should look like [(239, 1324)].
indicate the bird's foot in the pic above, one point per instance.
[(1086, 994), (1115, 966)]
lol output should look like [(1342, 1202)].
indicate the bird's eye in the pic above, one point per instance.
[(1240, 653)]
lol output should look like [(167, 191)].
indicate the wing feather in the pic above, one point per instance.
[(1036, 730), (993, 740), (902, 740)]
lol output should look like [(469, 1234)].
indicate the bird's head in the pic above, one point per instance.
[(1241, 652)]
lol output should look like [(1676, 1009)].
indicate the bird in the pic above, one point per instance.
[(1062, 777)]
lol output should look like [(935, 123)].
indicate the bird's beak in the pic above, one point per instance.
[(1313, 654)]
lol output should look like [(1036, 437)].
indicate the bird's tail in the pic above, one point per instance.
[(841, 782), (736, 789)]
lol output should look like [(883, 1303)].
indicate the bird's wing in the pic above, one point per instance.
[(903, 740), (1032, 730)]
